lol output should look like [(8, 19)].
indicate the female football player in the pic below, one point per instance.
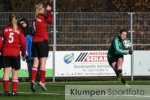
[(40, 47), (115, 54), (13, 40)]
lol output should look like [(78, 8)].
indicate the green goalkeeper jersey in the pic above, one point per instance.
[(116, 48)]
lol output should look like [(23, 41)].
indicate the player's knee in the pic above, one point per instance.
[(119, 63)]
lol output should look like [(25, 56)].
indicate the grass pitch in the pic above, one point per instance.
[(56, 91)]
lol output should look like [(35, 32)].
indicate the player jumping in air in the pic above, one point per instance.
[(40, 46)]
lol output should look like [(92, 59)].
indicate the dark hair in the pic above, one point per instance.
[(123, 30), (25, 20), (11, 17)]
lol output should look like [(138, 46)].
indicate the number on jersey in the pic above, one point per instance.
[(11, 37)]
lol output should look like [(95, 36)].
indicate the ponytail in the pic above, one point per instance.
[(12, 22)]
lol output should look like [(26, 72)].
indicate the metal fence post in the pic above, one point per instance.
[(54, 37), (132, 56)]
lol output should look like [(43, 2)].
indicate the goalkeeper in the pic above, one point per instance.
[(115, 54)]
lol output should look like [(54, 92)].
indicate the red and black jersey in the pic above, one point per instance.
[(40, 29), (12, 42)]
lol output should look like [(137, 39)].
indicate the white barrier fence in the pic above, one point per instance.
[(141, 63), (87, 63), (90, 63)]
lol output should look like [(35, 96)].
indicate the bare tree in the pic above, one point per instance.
[(132, 5), (81, 5)]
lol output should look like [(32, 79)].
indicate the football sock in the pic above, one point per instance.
[(42, 76), (123, 80), (119, 71), (6, 85), (33, 74), (116, 71), (14, 85), (120, 76)]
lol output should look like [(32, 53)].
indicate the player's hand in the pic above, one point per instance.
[(48, 8), (130, 52), (24, 57)]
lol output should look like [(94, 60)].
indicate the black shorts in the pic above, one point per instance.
[(40, 49), (115, 58), (11, 61)]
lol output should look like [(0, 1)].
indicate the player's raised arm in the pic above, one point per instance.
[(48, 17)]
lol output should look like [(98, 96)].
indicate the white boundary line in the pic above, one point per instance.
[(37, 93), (144, 96), (141, 96), (40, 93)]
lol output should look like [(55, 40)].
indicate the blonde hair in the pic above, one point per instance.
[(15, 26), (12, 22), (38, 8)]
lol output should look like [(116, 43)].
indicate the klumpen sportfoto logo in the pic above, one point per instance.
[(90, 93), (68, 58), (92, 57), (106, 92)]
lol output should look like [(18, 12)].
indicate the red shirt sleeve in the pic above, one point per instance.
[(48, 18)]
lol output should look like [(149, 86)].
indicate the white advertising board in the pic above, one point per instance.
[(141, 63), (49, 62), (86, 63)]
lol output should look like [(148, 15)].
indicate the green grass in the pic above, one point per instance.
[(56, 91), (24, 73)]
